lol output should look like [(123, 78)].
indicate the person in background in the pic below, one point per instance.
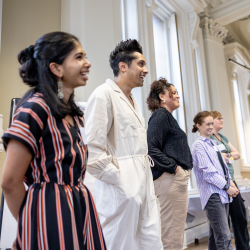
[(46, 150), (214, 182), (118, 157), (168, 147), (237, 210)]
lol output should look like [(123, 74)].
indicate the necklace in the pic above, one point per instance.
[(228, 153)]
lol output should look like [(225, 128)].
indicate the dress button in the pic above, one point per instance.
[(81, 143)]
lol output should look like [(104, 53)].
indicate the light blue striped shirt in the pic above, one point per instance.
[(208, 170)]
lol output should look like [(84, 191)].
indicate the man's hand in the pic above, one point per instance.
[(176, 170), (225, 157)]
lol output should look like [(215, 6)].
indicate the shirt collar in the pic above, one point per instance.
[(115, 87), (207, 140)]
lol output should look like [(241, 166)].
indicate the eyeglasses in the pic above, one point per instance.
[(220, 118)]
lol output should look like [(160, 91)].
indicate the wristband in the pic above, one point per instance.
[(226, 187)]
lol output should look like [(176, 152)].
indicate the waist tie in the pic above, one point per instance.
[(150, 194)]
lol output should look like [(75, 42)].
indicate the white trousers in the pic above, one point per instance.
[(123, 210)]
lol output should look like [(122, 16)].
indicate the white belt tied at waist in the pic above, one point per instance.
[(150, 197)]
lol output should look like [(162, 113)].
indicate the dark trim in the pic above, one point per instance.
[(1, 213), (231, 60)]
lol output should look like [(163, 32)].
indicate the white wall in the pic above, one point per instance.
[(97, 24), (23, 22)]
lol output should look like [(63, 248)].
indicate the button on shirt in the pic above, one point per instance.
[(208, 170)]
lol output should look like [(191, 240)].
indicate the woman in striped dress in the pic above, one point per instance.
[(46, 148)]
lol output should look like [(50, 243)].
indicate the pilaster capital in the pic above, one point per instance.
[(212, 29), (228, 39)]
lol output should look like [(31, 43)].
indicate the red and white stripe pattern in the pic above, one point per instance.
[(55, 178)]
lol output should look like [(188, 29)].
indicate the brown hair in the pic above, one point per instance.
[(215, 114), (156, 88), (199, 118)]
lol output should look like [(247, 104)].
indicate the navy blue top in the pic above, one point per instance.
[(167, 144)]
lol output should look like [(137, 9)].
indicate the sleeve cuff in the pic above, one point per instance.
[(110, 174)]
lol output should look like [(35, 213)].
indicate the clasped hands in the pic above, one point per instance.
[(233, 190)]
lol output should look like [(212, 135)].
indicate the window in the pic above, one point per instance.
[(161, 49), (239, 120), (167, 62), (129, 20)]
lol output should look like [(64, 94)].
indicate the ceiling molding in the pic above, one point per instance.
[(198, 5), (229, 11), (215, 3)]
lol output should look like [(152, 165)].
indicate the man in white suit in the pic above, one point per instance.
[(118, 155)]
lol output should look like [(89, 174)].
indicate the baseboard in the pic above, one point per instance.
[(197, 232)]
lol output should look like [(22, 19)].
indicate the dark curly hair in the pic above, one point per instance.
[(156, 88), (35, 71), (199, 118), (124, 52)]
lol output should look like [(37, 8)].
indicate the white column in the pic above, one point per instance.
[(219, 86), (73, 21), (99, 31)]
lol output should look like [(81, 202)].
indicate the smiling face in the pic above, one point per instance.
[(75, 68), (171, 99), (137, 71), (206, 128), (218, 123)]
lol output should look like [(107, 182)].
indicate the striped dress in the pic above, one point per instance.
[(58, 212)]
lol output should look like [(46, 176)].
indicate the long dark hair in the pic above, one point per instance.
[(35, 71)]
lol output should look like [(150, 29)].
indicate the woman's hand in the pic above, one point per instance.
[(225, 157), (176, 170), (232, 192), (14, 246), (233, 185)]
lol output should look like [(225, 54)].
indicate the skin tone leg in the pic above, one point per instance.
[(206, 129)]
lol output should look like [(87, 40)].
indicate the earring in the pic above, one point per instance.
[(163, 101), (60, 85)]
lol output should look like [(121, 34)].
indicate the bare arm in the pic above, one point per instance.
[(225, 157), (234, 152), (17, 161)]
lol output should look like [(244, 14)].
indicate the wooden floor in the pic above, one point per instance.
[(203, 243)]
